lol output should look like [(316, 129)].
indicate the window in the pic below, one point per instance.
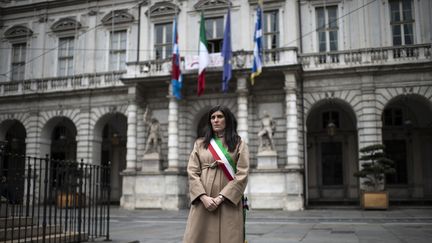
[(393, 117), (327, 28), (401, 22), (330, 116), (214, 34), (117, 60), (18, 61), (65, 56), (271, 30), (163, 40)]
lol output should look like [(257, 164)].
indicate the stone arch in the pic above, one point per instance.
[(98, 112), (349, 99), (200, 108), (385, 95), (46, 119), (22, 118)]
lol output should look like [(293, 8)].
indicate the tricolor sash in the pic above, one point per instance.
[(219, 152), (229, 168)]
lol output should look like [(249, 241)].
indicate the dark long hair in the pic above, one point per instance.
[(230, 133)]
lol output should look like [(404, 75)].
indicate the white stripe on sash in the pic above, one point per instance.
[(222, 156)]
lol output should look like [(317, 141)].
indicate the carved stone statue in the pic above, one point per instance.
[(154, 139), (268, 127)]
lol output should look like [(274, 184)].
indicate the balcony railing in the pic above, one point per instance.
[(366, 57), (241, 60), (47, 85)]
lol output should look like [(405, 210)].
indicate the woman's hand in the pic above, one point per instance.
[(209, 202)]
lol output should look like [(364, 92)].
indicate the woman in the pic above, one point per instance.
[(218, 170)]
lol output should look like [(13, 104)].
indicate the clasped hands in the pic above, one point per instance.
[(211, 203)]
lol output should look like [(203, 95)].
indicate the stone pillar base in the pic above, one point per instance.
[(151, 163), (267, 160), (275, 189), (145, 190)]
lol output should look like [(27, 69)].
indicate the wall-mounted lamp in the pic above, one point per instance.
[(331, 128)]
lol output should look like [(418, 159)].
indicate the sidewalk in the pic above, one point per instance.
[(314, 225)]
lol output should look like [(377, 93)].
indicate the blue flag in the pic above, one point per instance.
[(227, 53), (257, 52)]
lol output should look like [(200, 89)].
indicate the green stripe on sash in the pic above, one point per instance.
[(225, 152)]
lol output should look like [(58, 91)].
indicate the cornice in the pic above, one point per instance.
[(53, 4), (162, 9), (18, 31), (117, 17), (211, 4), (65, 24), (255, 2)]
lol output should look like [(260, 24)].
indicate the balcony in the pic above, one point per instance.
[(366, 57), (56, 84), (189, 64)]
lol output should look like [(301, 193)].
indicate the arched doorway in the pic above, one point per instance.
[(63, 164), (407, 135), (111, 130), (331, 154), (13, 161)]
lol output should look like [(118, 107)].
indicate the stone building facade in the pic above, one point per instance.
[(77, 77)]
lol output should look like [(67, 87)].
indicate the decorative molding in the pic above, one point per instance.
[(66, 24), (255, 2), (117, 17), (162, 9), (18, 31), (211, 4)]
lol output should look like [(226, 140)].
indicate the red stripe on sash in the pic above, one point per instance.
[(221, 165)]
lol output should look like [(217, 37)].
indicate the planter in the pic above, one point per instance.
[(69, 200), (374, 200)]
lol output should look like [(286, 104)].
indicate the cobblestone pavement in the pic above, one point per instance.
[(313, 225)]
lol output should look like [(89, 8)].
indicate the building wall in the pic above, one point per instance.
[(362, 78)]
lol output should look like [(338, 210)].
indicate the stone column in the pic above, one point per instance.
[(294, 177), (131, 145), (292, 138), (242, 107), (173, 161)]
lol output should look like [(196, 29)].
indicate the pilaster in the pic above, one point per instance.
[(131, 155), (173, 160), (242, 107), (292, 138)]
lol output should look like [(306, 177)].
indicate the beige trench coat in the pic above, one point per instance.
[(225, 224)]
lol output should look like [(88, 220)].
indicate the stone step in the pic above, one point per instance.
[(27, 232), (54, 238), (15, 222)]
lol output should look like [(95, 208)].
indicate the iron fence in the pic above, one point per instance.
[(47, 200)]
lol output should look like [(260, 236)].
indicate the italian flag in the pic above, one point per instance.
[(203, 56)]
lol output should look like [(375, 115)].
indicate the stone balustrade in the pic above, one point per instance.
[(69, 83), (366, 57)]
